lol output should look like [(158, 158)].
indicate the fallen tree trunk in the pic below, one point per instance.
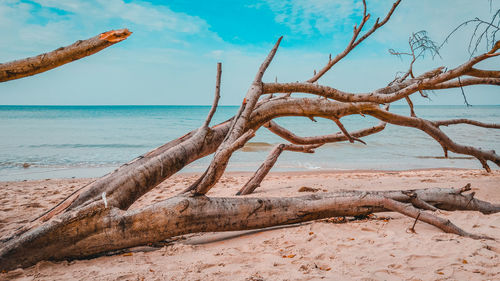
[(132, 180), (78, 234), (96, 218)]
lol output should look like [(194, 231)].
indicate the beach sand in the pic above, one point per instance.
[(374, 249)]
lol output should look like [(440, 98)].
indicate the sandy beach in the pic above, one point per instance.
[(379, 248)]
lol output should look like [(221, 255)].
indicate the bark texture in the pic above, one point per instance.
[(79, 234), (96, 218), (80, 49)]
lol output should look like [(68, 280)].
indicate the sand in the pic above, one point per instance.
[(374, 249)]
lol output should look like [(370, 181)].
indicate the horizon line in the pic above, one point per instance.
[(208, 105)]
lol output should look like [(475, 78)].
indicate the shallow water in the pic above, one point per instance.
[(89, 141)]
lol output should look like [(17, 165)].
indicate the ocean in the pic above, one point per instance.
[(38, 142)]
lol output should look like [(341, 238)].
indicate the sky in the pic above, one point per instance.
[(171, 57)]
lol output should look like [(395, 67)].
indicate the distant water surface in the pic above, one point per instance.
[(89, 141)]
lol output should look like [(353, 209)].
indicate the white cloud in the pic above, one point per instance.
[(179, 73), (311, 16), (141, 13), (30, 28)]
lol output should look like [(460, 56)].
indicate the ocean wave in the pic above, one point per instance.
[(60, 165), (442, 157), (257, 146), (310, 166)]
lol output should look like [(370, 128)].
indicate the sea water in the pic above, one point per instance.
[(38, 142)]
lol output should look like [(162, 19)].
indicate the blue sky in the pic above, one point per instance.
[(171, 56)]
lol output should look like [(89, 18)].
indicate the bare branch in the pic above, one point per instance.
[(262, 171), (265, 167), (419, 44), (41, 63), (353, 43), (345, 132), (291, 137), (465, 82), (439, 80), (302, 148), (463, 92), (465, 121), (410, 104), (483, 73), (443, 224), (222, 161), (433, 131), (216, 97), (267, 61), (237, 130), (271, 159), (484, 32)]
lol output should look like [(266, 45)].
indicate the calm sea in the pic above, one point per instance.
[(89, 141)]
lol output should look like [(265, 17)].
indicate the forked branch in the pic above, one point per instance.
[(291, 137), (96, 219), (433, 130), (237, 129), (355, 41)]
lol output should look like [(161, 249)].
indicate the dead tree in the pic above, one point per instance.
[(96, 219)]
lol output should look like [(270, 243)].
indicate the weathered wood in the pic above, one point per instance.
[(216, 96), (80, 49), (301, 144), (97, 230), (238, 126), (291, 137), (271, 159), (84, 224), (433, 130)]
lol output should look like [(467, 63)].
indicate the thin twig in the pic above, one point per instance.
[(216, 96)]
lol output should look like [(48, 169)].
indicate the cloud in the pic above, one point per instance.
[(309, 17), (320, 18), (140, 13), (171, 57), (40, 25)]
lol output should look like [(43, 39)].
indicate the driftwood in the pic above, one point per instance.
[(41, 63), (81, 234), (96, 218)]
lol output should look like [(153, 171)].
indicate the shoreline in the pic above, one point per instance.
[(372, 249), (307, 172)]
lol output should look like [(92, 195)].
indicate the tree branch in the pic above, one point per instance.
[(265, 167), (224, 152), (410, 104), (353, 43), (216, 96), (345, 132), (41, 63), (483, 73), (291, 137), (102, 230), (466, 121), (465, 82), (314, 142), (432, 130)]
